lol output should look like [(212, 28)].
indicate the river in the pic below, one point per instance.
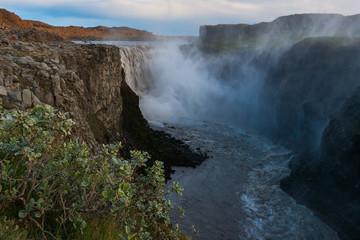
[(235, 194)]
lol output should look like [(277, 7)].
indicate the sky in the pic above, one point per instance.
[(169, 17)]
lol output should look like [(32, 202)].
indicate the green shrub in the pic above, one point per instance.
[(52, 183)]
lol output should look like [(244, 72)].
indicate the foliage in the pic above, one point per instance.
[(56, 187), (11, 231)]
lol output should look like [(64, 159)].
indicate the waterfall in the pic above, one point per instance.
[(136, 63), (287, 85), (287, 95)]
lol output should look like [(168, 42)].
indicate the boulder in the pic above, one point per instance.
[(55, 60), (3, 92), (49, 98), (26, 98), (14, 96), (35, 100), (44, 66), (56, 84), (43, 74), (8, 81), (24, 60)]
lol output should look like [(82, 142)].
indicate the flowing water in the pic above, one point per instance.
[(137, 71), (235, 194)]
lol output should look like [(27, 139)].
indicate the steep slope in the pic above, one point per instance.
[(312, 88), (305, 69), (282, 32), (16, 24), (308, 84), (12, 20), (87, 81)]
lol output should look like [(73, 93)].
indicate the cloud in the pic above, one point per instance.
[(154, 9), (174, 12)]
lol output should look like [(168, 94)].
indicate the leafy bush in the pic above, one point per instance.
[(55, 186)]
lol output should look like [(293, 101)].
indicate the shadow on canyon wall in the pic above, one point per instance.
[(293, 80)]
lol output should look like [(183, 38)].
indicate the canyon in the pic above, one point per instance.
[(293, 81)]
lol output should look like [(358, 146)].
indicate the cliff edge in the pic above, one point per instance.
[(87, 82), (282, 32)]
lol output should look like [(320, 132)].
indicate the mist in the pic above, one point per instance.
[(188, 86), (283, 79), (287, 80)]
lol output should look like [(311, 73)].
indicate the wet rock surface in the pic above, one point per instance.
[(309, 83), (299, 103)]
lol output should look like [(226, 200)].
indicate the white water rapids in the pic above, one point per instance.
[(235, 194)]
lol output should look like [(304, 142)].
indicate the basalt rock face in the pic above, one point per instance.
[(340, 146), (279, 33), (330, 183), (317, 111), (137, 135), (308, 84), (87, 82), (306, 69), (316, 105), (340, 167), (83, 80)]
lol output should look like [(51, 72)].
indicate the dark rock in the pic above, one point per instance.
[(309, 83), (136, 134), (330, 184), (340, 147), (3, 92), (282, 32), (14, 96)]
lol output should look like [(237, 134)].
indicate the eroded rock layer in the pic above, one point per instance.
[(87, 82)]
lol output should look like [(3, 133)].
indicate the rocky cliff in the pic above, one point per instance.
[(317, 115), (310, 81), (39, 31), (305, 69), (282, 32), (87, 82)]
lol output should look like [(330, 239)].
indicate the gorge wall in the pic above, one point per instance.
[(282, 32), (87, 82), (306, 71)]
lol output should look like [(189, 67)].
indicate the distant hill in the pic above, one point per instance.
[(13, 20), (15, 23)]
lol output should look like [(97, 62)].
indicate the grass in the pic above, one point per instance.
[(100, 229), (99, 130), (10, 230)]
